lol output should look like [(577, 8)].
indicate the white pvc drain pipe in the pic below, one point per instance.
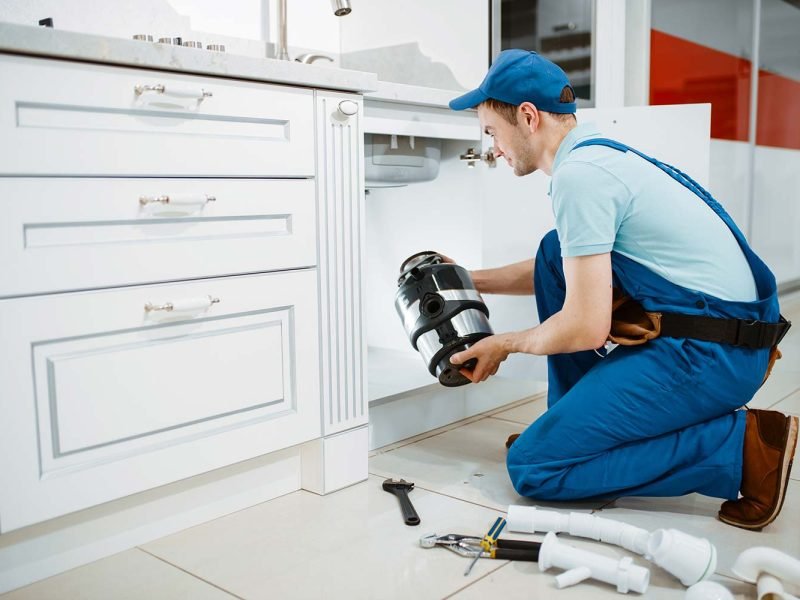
[(688, 558)]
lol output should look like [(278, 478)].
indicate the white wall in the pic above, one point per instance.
[(238, 24), (776, 210), (729, 179), (442, 44)]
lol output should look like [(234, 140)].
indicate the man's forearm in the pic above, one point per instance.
[(560, 334), (516, 278)]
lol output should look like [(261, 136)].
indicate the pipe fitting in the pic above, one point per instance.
[(768, 569), (688, 558), (529, 519), (708, 590), (582, 564), (754, 561)]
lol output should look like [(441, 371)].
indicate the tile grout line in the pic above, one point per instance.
[(472, 502), (792, 393), (416, 486), (471, 583), (509, 421), (214, 585)]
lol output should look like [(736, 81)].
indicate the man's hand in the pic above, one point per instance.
[(489, 351)]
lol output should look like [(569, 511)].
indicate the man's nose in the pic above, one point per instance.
[(498, 152)]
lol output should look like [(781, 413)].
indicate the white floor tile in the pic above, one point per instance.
[(523, 581), (351, 544), (525, 414), (783, 382), (130, 575), (696, 515), (790, 405), (468, 463)]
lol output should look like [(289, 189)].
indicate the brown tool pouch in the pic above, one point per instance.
[(631, 325)]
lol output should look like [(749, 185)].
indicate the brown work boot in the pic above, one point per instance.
[(769, 442), (511, 439)]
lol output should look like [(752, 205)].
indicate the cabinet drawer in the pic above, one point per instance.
[(62, 234), (62, 118), (103, 398)]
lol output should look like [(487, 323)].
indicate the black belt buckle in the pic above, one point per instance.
[(758, 334), (784, 326)]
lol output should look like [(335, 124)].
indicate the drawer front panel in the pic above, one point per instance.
[(61, 234), (114, 388), (105, 398), (62, 118)]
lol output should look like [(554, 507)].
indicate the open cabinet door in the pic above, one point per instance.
[(516, 211)]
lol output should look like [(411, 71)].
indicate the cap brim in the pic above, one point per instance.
[(468, 100)]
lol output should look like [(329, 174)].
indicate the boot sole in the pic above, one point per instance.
[(783, 482)]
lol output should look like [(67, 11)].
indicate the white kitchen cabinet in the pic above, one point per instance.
[(103, 398), (69, 118), (137, 178), (341, 266), (61, 234), (180, 290)]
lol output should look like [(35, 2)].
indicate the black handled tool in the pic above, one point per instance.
[(401, 489)]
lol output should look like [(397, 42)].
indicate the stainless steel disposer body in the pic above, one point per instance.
[(442, 313)]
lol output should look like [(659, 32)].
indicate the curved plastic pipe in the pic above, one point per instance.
[(754, 561), (529, 519), (768, 568)]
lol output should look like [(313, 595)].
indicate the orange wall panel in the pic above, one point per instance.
[(684, 72)]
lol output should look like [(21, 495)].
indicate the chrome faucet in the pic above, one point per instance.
[(340, 9), (310, 58)]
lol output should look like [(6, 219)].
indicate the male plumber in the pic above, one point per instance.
[(694, 309)]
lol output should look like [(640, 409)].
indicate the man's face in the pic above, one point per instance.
[(514, 142)]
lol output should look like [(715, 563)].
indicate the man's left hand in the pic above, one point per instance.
[(489, 351)]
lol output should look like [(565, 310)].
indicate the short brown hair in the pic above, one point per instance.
[(509, 111)]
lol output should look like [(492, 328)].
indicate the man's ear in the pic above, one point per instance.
[(529, 116)]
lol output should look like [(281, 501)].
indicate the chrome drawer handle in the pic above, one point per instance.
[(189, 304), (160, 88), (177, 199)]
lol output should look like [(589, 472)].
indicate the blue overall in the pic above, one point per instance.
[(657, 419)]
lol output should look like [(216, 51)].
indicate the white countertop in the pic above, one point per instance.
[(412, 94), (55, 43)]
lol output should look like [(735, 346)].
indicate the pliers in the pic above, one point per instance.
[(470, 546)]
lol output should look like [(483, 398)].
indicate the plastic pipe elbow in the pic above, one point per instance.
[(754, 561)]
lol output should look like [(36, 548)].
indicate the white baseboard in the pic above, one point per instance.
[(411, 413), (39, 551)]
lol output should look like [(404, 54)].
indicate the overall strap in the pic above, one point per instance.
[(678, 176)]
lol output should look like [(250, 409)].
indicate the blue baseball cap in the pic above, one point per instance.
[(518, 76)]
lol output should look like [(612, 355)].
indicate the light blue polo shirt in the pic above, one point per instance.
[(605, 200)]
